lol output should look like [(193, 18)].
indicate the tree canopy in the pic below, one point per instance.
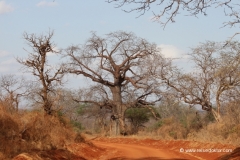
[(123, 68)]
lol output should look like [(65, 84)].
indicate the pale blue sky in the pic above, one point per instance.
[(73, 21)]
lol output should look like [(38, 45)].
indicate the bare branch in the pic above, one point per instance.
[(166, 11), (217, 71), (37, 64), (124, 68), (230, 39)]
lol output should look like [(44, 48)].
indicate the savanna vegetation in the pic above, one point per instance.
[(133, 89)]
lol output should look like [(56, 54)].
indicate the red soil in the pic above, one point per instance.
[(143, 149), (129, 148)]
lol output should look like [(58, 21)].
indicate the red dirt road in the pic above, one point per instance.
[(116, 151), (123, 148), (149, 149)]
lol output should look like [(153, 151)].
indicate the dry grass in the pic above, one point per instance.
[(218, 132), (204, 130), (226, 131), (188, 125), (31, 132)]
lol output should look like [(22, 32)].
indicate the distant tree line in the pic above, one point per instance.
[(128, 73)]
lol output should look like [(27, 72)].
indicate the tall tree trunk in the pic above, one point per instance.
[(118, 110), (47, 104), (216, 113)]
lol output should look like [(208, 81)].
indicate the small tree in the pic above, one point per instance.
[(12, 89), (37, 63)]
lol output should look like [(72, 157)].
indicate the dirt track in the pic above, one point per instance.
[(123, 148), (149, 149), (117, 151)]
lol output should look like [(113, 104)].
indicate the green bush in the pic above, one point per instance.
[(77, 125), (137, 117), (156, 125)]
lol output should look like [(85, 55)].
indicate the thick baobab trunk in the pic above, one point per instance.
[(118, 111)]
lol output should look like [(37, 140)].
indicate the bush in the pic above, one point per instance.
[(171, 129), (9, 134), (137, 117), (156, 125), (177, 121), (226, 131), (77, 126), (32, 131)]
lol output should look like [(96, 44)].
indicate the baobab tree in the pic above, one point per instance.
[(48, 77), (122, 67), (216, 72)]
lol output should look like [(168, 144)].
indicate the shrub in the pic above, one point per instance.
[(226, 131), (32, 131), (156, 125), (77, 126), (137, 117), (9, 134)]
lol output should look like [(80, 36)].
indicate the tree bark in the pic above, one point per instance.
[(217, 114), (118, 109)]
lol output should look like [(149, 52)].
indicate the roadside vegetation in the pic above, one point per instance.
[(33, 132), (133, 90)]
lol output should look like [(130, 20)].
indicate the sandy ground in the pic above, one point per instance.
[(139, 149), (130, 151), (129, 148)]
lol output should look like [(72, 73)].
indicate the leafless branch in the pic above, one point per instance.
[(37, 64), (123, 67)]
